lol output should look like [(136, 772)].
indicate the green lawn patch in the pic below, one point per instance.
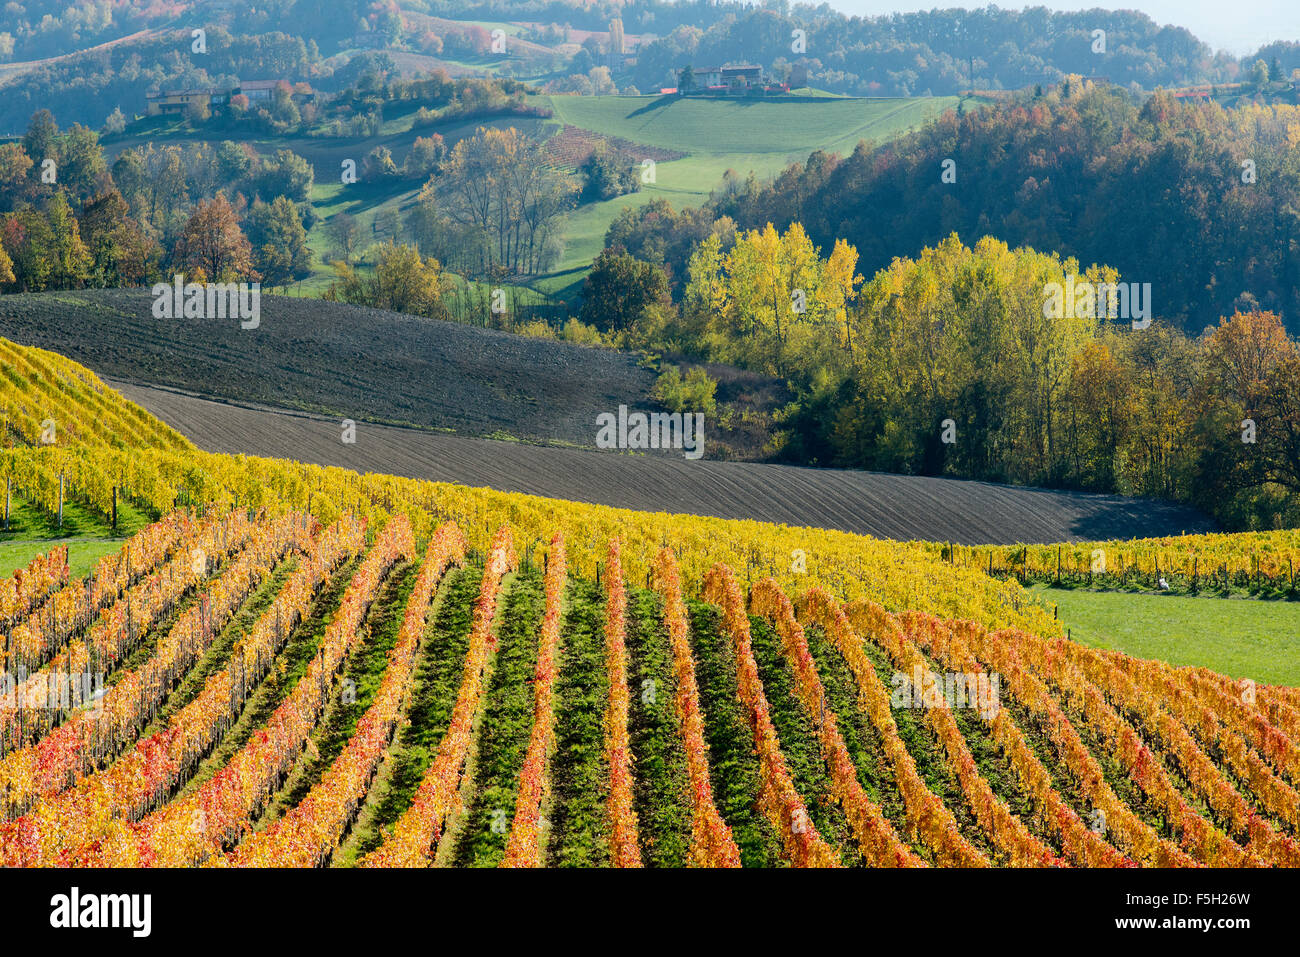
[(1236, 637)]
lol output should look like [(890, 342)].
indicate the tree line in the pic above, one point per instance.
[(948, 363), (1201, 201), (68, 219)]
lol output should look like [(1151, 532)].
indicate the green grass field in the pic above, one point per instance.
[(757, 128), (745, 136), (88, 537), (1237, 637)]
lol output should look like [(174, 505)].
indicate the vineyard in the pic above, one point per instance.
[(572, 146), (310, 696), (302, 666), (1257, 563)]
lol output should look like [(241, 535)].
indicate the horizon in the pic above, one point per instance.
[(1215, 24)]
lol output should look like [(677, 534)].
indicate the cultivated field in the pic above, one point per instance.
[(304, 699), (307, 667), (888, 506), (342, 361), (345, 362)]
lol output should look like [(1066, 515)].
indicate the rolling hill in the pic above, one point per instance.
[(452, 688), (335, 362), (706, 138), (717, 135)]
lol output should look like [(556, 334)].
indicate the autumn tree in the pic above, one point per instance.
[(378, 165), (620, 291), (120, 252), (774, 303), (82, 170), (68, 258), (279, 242), (424, 156), (345, 235), (284, 174), (41, 141), (402, 281), (212, 247), (45, 248), (496, 207), (15, 165)]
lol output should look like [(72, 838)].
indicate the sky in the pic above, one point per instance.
[(1239, 27)]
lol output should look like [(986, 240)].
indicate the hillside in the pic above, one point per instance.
[(694, 142), (717, 135), (901, 507), (328, 359), (342, 361), (434, 697)]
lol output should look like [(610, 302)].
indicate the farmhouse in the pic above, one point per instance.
[(257, 90), (724, 79), (177, 101)]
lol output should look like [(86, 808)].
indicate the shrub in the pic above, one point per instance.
[(694, 393)]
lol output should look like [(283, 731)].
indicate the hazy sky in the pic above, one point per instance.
[(1239, 27)]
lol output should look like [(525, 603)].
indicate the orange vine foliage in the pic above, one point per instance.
[(307, 834), (875, 835), (711, 842), (1081, 844), (415, 835), (780, 800), (523, 848), (624, 849), (194, 829)]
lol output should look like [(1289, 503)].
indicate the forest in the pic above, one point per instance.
[(1080, 168)]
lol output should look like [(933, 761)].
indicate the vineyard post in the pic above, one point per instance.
[(60, 500), (114, 508), (1058, 564), (9, 488)]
